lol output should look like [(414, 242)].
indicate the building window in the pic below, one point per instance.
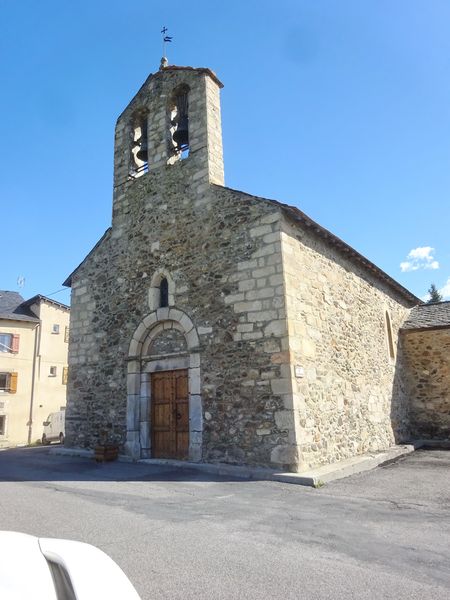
[(2, 424), (9, 342), (5, 342), (55, 328), (65, 374), (53, 371), (4, 382), (164, 293), (390, 338), (8, 382), (161, 291), (66, 335)]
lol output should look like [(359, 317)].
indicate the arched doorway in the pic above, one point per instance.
[(164, 409)]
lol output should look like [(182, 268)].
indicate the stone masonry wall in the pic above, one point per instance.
[(222, 250), (348, 396), (427, 363)]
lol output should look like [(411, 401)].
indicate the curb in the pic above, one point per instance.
[(312, 478), (75, 452)]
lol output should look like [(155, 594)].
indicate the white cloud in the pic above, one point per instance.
[(445, 291), (420, 258), (425, 252), (407, 266)]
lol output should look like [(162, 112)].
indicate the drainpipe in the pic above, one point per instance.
[(33, 379)]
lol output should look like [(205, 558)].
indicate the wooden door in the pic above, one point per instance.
[(170, 414)]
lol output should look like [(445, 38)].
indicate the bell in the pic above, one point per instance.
[(142, 153), (181, 134)]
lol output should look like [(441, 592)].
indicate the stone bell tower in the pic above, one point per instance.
[(173, 119)]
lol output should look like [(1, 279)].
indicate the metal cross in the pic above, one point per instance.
[(165, 39)]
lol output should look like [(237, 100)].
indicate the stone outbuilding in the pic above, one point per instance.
[(212, 325), (425, 343)]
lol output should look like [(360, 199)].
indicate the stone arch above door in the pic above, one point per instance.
[(163, 329)]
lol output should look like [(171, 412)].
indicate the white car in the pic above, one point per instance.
[(54, 569), (54, 428)]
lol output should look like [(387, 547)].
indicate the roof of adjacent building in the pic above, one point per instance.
[(13, 307), (41, 298), (435, 315)]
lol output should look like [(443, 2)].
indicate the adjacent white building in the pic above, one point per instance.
[(34, 337)]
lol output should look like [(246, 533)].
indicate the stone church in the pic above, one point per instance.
[(211, 325)]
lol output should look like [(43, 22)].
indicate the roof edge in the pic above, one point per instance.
[(205, 70), (68, 281), (299, 216), (423, 329), (20, 318), (41, 298)]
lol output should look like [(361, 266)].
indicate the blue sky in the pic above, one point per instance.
[(340, 107)]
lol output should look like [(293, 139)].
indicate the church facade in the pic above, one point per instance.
[(211, 325)]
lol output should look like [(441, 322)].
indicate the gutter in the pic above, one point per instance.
[(33, 381)]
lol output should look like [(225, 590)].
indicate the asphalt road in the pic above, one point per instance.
[(183, 534)]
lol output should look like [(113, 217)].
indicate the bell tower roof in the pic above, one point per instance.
[(197, 69), (166, 68)]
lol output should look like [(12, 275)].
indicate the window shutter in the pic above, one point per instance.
[(66, 335), (15, 343), (12, 383), (65, 374)]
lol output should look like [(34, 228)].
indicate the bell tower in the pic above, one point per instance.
[(174, 117)]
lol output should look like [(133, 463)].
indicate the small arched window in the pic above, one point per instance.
[(164, 293), (390, 338), (161, 291)]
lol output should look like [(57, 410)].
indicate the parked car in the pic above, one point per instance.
[(55, 569), (54, 428)]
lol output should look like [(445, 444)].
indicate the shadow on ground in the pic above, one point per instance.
[(39, 464)]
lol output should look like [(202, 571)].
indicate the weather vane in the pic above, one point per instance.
[(165, 39)]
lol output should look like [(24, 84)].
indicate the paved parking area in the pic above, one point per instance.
[(186, 534)]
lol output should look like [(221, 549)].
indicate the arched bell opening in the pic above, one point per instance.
[(139, 143), (178, 115)]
